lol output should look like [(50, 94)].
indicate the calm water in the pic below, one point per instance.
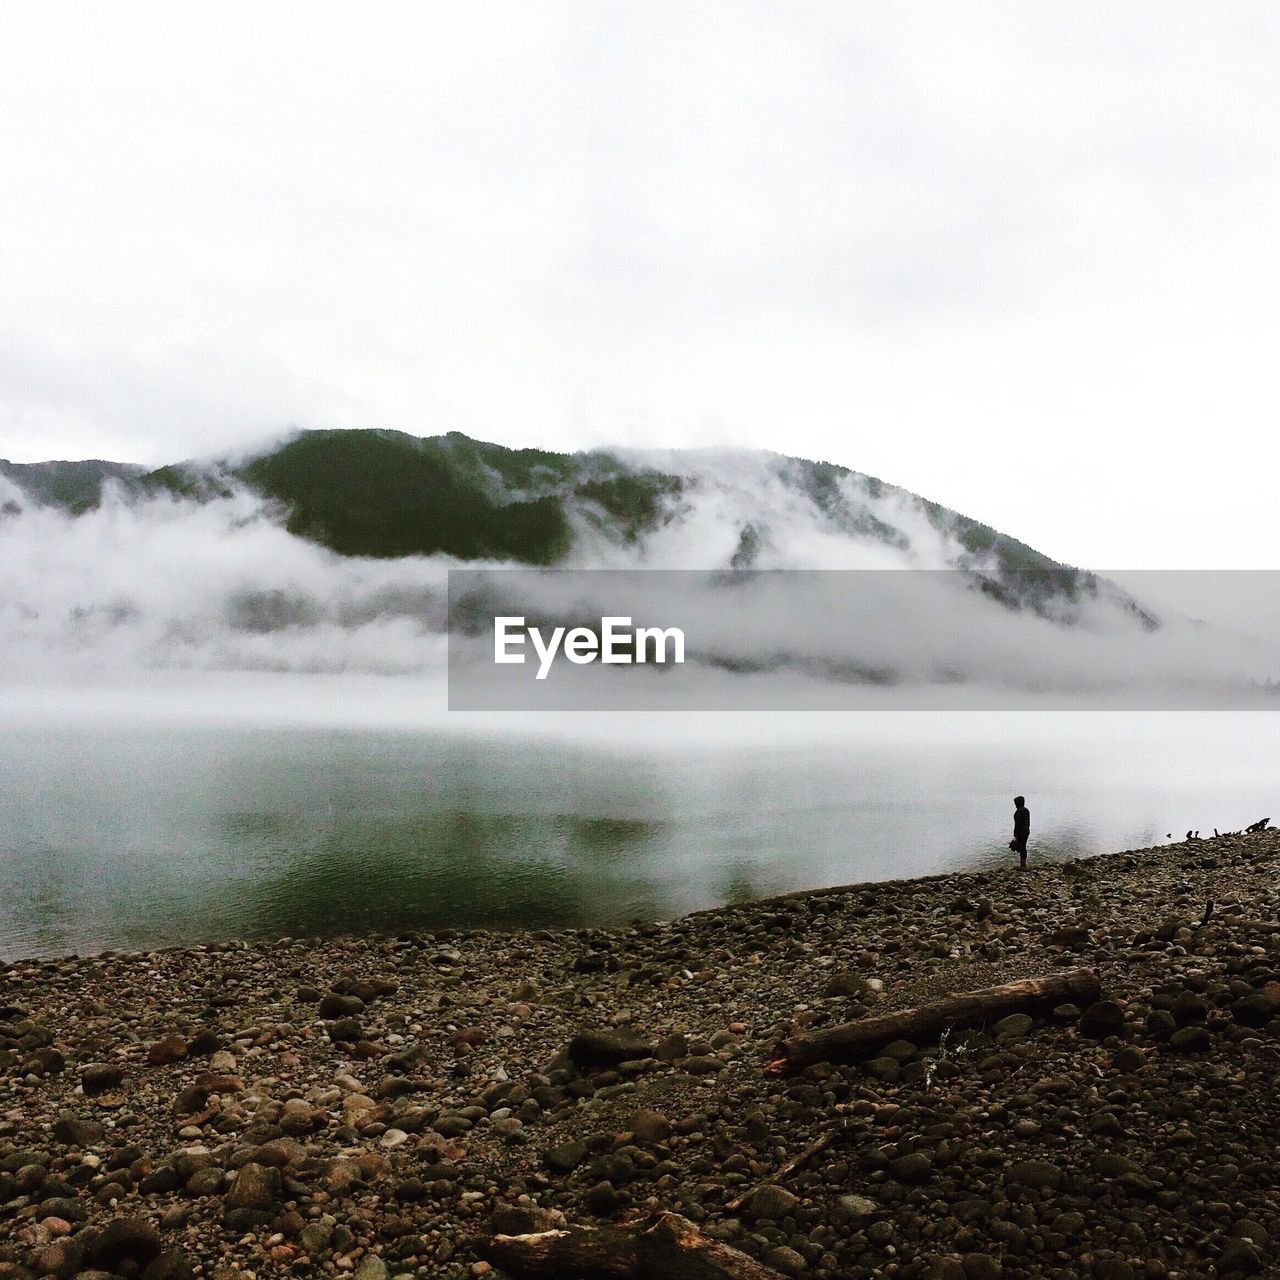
[(123, 834)]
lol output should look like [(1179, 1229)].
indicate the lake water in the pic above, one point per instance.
[(131, 831)]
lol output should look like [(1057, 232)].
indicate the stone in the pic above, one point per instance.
[(787, 1260), (125, 1240), (914, 1167), (256, 1186), (603, 1200), (1014, 1027), (172, 1048), (520, 1220), (608, 1048), (1189, 1007), (315, 1236), (452, 1125), (1194, 1038), (170, 1265), (339, 1006), (981, 1266), (1102, 1019), (100, 1077), (1241, 1257), (773, 1202), (566, 1157), (1035, 1174), (852, 1207), (205, 1182), (1253, 1010), (75, 1132), (671, 1047), (1113, 1269), (345, 1031), (160, 1181), (650, 1127), (1128, 1059)]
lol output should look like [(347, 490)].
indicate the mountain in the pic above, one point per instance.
[(386, 494), (73, 486)]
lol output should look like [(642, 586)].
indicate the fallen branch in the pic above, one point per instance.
[(828, 1139), (856, 1041), (664, 1247)]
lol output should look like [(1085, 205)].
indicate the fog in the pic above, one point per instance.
[(140, 587)]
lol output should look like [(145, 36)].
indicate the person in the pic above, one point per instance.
[(1021, 829)]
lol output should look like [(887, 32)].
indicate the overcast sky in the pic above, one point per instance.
[(1023, 259)]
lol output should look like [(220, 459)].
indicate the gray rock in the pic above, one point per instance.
[(787, 1260), (337, 1006), (1194, 1038), (1014, 1027), (75, 1132), (257, 1186), (345, 1031), (773, 1202), (100, 1077), (315, 1236), (451, 1124), (566, 1157), (607, 1048), (914, 1167), (1102, 1019), (170, 1265), (650, 1127), (851, 1208), (1034, 1173), (126, 1240)]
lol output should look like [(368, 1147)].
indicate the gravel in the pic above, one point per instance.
[(373, 1106)]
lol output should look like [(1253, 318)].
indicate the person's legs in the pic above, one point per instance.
[(1022, 854)]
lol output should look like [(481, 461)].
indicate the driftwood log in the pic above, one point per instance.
[(856, 1041), (664, 1247)]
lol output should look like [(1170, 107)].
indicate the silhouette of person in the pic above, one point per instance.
[(1021, 829)]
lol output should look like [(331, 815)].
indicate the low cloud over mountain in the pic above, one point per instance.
[(329, 552)]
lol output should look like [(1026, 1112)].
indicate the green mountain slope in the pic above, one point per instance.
[(385, 494)]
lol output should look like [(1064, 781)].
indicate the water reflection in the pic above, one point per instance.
[(136, 837)]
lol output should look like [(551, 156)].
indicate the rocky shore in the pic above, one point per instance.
[(377, 1107)]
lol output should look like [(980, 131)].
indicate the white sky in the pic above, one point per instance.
[(1022, 259)]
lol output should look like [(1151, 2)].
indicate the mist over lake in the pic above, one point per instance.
[(152, 815), (224, 691)]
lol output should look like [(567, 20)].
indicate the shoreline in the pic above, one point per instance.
[(375, 1105), (997, 867)]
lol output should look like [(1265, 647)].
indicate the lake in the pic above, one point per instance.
[(144, 820)]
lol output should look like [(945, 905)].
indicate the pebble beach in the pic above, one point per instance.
[(379, 1107)]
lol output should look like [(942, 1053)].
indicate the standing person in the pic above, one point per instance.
[(1021, 829)]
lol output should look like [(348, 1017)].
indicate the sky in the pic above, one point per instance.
[(1021, 259)]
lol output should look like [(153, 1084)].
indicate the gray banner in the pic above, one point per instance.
[(999, 639)]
